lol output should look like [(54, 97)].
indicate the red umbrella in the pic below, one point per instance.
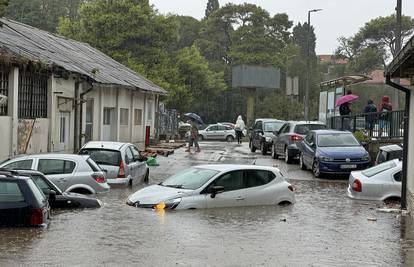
[(346, 99)]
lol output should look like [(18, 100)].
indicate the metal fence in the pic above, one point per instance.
[(380, 125)]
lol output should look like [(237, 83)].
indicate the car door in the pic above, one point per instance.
[(141, 165), (257, 190), (308, 149), (282, 138), (59, 171), (211, 132), (221, 132), (131, 165), (234, 191), (276, 139), (395, 186), (257, 134)]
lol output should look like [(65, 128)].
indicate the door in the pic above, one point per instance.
[(309, 149), (131, 167), (234, 192), (281, 138), (64, 130), (211, 132), (222, 132), (257, 134), (142, 165), (257, 188), (108, 124), (89, 121)]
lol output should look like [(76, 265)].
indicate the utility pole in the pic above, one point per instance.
[(396, 98), (306, 110)]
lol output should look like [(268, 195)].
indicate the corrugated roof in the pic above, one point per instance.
[(37, 45)]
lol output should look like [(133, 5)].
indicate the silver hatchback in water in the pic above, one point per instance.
[(122, 162), (71, 173)]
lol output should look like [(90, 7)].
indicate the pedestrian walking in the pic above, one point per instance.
[(239, 128), (384, 117), (370, 118), (193, 138)]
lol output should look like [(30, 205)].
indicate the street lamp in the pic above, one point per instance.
[(306, 113)]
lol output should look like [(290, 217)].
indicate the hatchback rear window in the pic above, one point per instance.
[(303, 129), (37, 192), (379, 168), (93, 165), (10, 192), (103, 156), (20, 165)]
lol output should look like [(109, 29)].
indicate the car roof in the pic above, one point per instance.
[(390, 148), (105, 145), (269, 120), (51, 155), (329, 131), (12, 177), (234, 167), (307, 122)]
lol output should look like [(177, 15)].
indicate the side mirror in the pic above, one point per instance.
[(216, 190), (142, 158), (51, 194)]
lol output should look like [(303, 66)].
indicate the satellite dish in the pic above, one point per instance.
[(3, 100)]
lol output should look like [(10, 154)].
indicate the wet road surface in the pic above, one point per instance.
[(323, 228)]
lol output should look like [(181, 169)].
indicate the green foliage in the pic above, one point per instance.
[(3, 7), (212, 5), (362, 137)]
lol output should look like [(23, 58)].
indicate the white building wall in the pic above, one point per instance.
[(5, 136), (410, 160)]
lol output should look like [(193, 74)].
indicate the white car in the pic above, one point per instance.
[(381, 182), (216, 186), (217, 132)]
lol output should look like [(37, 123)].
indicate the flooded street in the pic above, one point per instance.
[(323, 228)]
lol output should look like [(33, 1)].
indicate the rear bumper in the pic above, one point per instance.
[(293, 151), (335, 167), (118, 181)]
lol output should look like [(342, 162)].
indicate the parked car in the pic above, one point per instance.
[(57, 198), (122, 162), (22, 203), (390, 152), (292, 132), (215, 186), (262, 133), (217, 132), (332, 151), (381, 182), (71, 173)]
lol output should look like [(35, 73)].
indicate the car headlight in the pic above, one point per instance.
[(323, 158), (168, 204), (268, 139)]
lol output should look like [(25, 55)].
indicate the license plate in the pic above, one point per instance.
[(353, 166)]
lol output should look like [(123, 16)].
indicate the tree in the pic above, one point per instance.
[(188, 31), (212, 5), (3, 7), (300, 38)]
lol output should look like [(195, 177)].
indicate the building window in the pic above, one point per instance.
[(4, 88), (124, 116), (138, 116), (32, 95), (107, 116), (149, 110)]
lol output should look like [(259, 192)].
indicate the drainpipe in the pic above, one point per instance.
[(81, 114), (405, 148), (75, 132)]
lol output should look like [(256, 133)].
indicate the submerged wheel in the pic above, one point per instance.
[(301, 163), (315, 169), (288, 159), (229, 138), (274, 153)]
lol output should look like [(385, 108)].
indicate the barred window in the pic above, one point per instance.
[(32, 95), (4, 88)]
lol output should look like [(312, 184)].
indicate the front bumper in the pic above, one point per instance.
[(335, 167)]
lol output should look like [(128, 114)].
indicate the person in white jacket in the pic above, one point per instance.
[(239, 128)]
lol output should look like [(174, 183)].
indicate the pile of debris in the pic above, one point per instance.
[(163, 149)]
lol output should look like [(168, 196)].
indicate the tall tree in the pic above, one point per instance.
[(3, 7), (212, 5), (300, 38)]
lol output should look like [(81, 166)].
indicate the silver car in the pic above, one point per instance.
[(122, 162), (217, 132), (381, 182), (71, 173)]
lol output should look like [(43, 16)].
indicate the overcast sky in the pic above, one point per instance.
[(338, 17)]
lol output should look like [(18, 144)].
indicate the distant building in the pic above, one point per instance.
[(62, 93)]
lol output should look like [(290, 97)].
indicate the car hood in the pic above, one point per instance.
[(155, 194), (343, 152)]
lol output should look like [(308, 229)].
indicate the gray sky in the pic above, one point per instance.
[(338, 17)]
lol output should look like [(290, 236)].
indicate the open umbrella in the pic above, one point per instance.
[(346, 99), (195, 117)]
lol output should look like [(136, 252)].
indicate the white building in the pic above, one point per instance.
[(403, 67), (62, 93)]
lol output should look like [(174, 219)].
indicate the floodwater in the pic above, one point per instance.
[(323, 228)]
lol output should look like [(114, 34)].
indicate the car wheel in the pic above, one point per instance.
[(301, 163), (146, 177), (263, 148), (288, 159), (229, 138), (315, 169), (274, 153), (252, 148)]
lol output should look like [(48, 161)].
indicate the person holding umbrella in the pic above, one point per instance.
[(344, 104), (195, 119)]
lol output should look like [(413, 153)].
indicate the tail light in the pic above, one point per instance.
[(295, 138), (290, 187), (357, 185), (37, 217), (99, 177), (121, 172)]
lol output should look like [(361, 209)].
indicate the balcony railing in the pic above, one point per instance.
[(380, 125)]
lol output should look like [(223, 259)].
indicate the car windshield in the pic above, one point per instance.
[(303, 129), (379, 168), (273, 126), (335, 140), (103, 156), (192, 178)]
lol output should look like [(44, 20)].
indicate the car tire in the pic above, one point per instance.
[(263, 149), (315, 169), (301, 163), (274, 153), (146, 177), (252, 148), (229, 138), (288, 159)]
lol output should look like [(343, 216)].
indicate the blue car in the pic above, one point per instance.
[(332, 152)]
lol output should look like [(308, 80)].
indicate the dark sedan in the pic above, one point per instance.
[(57, 198), (331, 151), (262, 133)]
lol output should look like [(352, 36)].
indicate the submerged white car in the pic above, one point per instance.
[(381, 182), (215, 186)]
